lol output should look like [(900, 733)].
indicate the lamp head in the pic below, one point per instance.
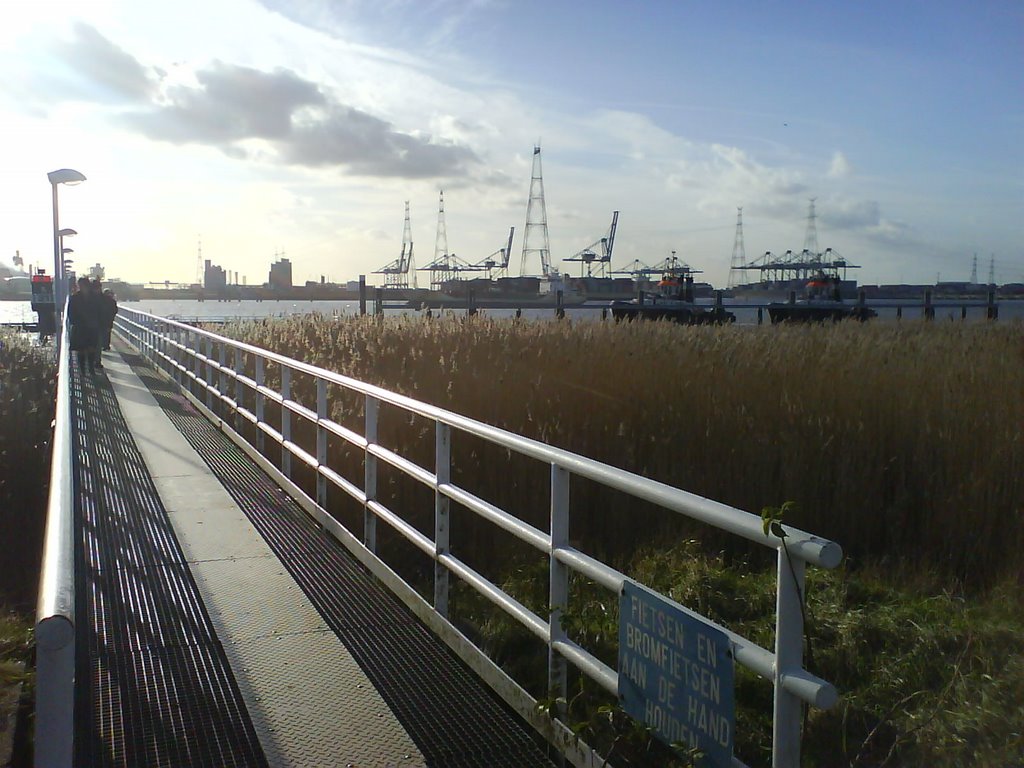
[(65, 176), (67, 250), (67, 232)]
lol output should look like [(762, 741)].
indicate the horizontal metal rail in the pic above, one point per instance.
[(184, 352), (55, 610)]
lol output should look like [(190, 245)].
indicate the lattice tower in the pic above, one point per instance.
[(992, 270), (739, 254), (974, 270), (811, 238), (536, 238), (441, 243), (200, 267), (409, 265)]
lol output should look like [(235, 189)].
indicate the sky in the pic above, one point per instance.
[(300, 127)]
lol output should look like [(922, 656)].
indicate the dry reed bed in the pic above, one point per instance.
[(900, 441)]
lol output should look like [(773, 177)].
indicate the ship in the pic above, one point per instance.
[(821, 301), (499, 293), (674, 301)]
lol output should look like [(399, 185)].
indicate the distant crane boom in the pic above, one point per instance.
[(599, 252)]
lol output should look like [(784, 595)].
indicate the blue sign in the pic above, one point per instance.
[(676, 674)]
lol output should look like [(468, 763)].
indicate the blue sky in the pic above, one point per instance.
[(303, 126)]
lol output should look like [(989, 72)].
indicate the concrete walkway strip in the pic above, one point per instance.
[(309, 701)]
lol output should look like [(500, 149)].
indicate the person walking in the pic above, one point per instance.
[(109, 313), (84, 314)]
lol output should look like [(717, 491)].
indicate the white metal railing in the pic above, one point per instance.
[(55, 610), (197, 360)]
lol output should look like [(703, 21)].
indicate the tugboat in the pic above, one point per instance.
[(821, 302), (673, 301)]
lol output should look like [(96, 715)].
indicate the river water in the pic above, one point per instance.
[(21, 311)]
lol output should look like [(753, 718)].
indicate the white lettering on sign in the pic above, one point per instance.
[(634, 669), (662, 625), (708, 722), (674, 729), (670, 674), (707, 651)]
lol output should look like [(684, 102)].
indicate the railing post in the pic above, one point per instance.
[(173, 335), (558, 593), (321, 441), (236, 358), (208, 349), (286, 421), (442, 471), (161, 340), (789, 638), (222, 383), (181, 356), (260, 404), (371, 409), (192, 339)]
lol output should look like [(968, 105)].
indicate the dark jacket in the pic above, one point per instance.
[(85, 313), (109, 306)]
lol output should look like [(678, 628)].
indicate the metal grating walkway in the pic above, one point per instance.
[(454, 719), (153, 684)]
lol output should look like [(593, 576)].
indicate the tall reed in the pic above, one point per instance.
[(901, 441)]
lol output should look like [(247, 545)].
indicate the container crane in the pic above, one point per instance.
[(498, 261), (396, 273), (599, 252)]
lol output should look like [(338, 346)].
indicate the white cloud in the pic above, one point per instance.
[(840, 167), (288, 136)]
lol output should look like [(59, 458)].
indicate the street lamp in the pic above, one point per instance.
[(66, 232), (62, 176)]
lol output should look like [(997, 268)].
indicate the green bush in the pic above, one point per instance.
[(26, 415)]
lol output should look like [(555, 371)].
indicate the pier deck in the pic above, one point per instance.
[(219, 625)]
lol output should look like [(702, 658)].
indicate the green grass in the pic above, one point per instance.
[(26, 413), (926, 677), (15, 645)]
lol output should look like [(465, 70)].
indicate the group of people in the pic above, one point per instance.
[(91, 312)]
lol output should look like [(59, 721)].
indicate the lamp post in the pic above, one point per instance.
[(62, 176), (66, 232), (67, 263)]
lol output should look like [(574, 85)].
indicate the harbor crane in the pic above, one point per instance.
[(599, 253), (637, 270), (673, 266), (446, 266), (798, 266), (396, 273), (498, 261)]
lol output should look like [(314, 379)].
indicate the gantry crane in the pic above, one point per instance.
[(397, 273), (599, 252), (498, 261)]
